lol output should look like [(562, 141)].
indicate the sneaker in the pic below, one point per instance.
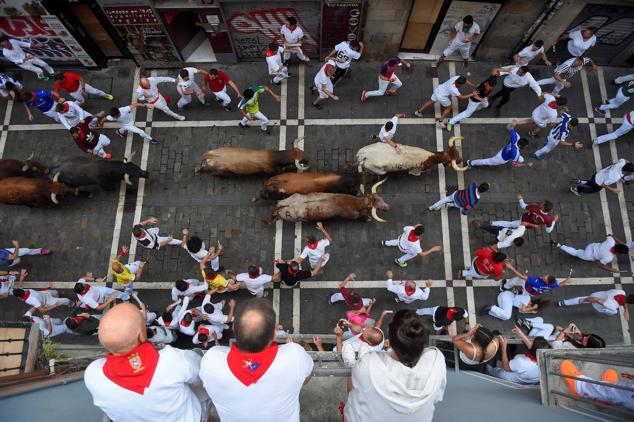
[(485, 310), (46, 251), (317, 106), (267, 130), (374, 137), (560, 304), (536, 157), (107, 156), (227, 108), (383, 243), (348, 355), (330, 302), (397, 300), (181, 118), (153, 141), (523, 322), (109, 97), (121, 135), (503, 286), (449, 127), (243, 126), (574, 190), (402, 265), (568, 368), (431, 208), (276, 83), (391, 93), (441, 124), (418, 114), (363, 97), (556, 244), (532, 134), (598, 110), (45, 78), (469, 164), (312, 89)]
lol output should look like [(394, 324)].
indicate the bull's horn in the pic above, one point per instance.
[(56, 177), (362, 188), (54, 198), (376, 217), (25, 167), (126, 177), (301, 167), (377, 184), (129, 157), (297, 141), (31, 156), (453, 139), (455, 166)]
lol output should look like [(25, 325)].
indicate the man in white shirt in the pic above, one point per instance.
[(463, 33), (254, 280), (186, 86), (148, 92), (528, 53), (409, 243), (522, 369), (212, 312), (388, 130), (407, 292), (506, 236), (70, 113), (149, 238), (43, 300), (621, 171), (173, 314), (293, 39), (323, 84), (580, 40), (9, 87), (189, 287), (546, 113), (49, 327), (603, 252), (123, 115), (96, 297), (343, 54), (605, 302), (12, 51), (442, 95), (277, 70), (315, 249), (7, 281), (135, 382), (256, 379), (626, 126), (516, 77)]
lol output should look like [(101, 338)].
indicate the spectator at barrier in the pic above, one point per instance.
[(522, 369), (402, 385), (476, 346)]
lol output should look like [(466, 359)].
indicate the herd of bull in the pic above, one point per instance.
[(301, 196)]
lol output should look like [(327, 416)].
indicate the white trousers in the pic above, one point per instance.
[(175, 242), (223, 96), (597, 306), (447, 201), (383, 84), (427, 311), (22, 252), (338, 297), (472, 107), (280, 75), (504, 308), (79, 97), (615, 102), (622, 130), (624, 78), (496, 160), (295, 50), (464, 49), (130, 127), (36, 65), (471, 272), (101, 143), (540, 328), (512, 224), (585, 254), (547, 81), (607, 394), (161, 104), (52, 297), (52, 114), (187, 98), (499, 372), (258, 116), (404, 258), (515, 281), (549, 145)]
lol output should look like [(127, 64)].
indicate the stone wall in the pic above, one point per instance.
[(384, 27)]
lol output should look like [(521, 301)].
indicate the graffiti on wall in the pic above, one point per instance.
[(252, 31), (34, 28)]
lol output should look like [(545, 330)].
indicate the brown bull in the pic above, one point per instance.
[(326, 206), (33, 192), (24, 168), (235, 161), (287, 184)]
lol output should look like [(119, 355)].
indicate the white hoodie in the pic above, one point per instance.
[(385, 389)]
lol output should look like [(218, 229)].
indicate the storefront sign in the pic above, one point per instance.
[(130, 15), (342, 21)]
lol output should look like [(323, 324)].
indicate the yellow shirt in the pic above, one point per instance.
[(218, 282), (125, 277)]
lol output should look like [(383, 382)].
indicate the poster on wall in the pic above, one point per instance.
[(342, 20), (483, 14), (57, 44), (253, 25)]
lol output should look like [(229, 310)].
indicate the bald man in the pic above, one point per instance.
[(135, 382), (148, 92), (256, 379)]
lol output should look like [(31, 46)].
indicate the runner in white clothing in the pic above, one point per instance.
[(70, 114), (407, 292), (528, 53), (186, 86), (7, 281), (621, 171), (123, 115), (135, 382), (12, 51), (580, 40), (43, 300), (388, 130), (323, 84), (277, 70), (606, 302), (254, 280), (95, 297), (212, 312), (626, 126), (604, 252), (148, 92), (409, 243), (189, 287), (622, 96), (463, 33), (546, 113), (174, 313), (49, 327), (149, 237), (315, 249), (293, 37), (514, 77), (442, 95), (343, 54)]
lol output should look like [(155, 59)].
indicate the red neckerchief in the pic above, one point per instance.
[(27, 293), (254, 277), (291, 272), (620, 299), (133, 370), (79, 319), (451, 314), (412, 236), (187, 284), (364, 340), (530, 356), (248, 368), (553, 105), (66, 107), (270, 52), (312, 245), (612, 250), (182, 322), (86, 288), (410, 291), (328, 66), (167, 323), (203, 330)]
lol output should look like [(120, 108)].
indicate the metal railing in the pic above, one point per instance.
[(605, 398)]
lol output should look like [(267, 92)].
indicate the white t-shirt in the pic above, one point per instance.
[(6, 284), (16, 54), (321, 78), (525, 369), (611, 174), (577, 45), (314, 254), (274, 397), (448, 88), (345, 55), (602, 251), (527, 54), (200, 255), (275, 61), (544, 112), (125, 117), (610, 305), (217, 329), (513, 80), (169, 396), (292, 37), (464, 37), (151, 94), (383, 133), (189, 83), (38, 298), (399, 290), (521, 300), (406, 245), (507, 235), (254, 284), (195, 286), (355, 342), (95, 295), (216, 317), (188, 330)]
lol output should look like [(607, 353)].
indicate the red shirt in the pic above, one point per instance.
[(346, 296), (70, 84), (219, 82), (87, 138), (535, 215), (485, 265)]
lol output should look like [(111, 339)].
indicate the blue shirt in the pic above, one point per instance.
[(6, 78), (43, 100), (536, 286), (511, 152), (5, 260), (561, 131)]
